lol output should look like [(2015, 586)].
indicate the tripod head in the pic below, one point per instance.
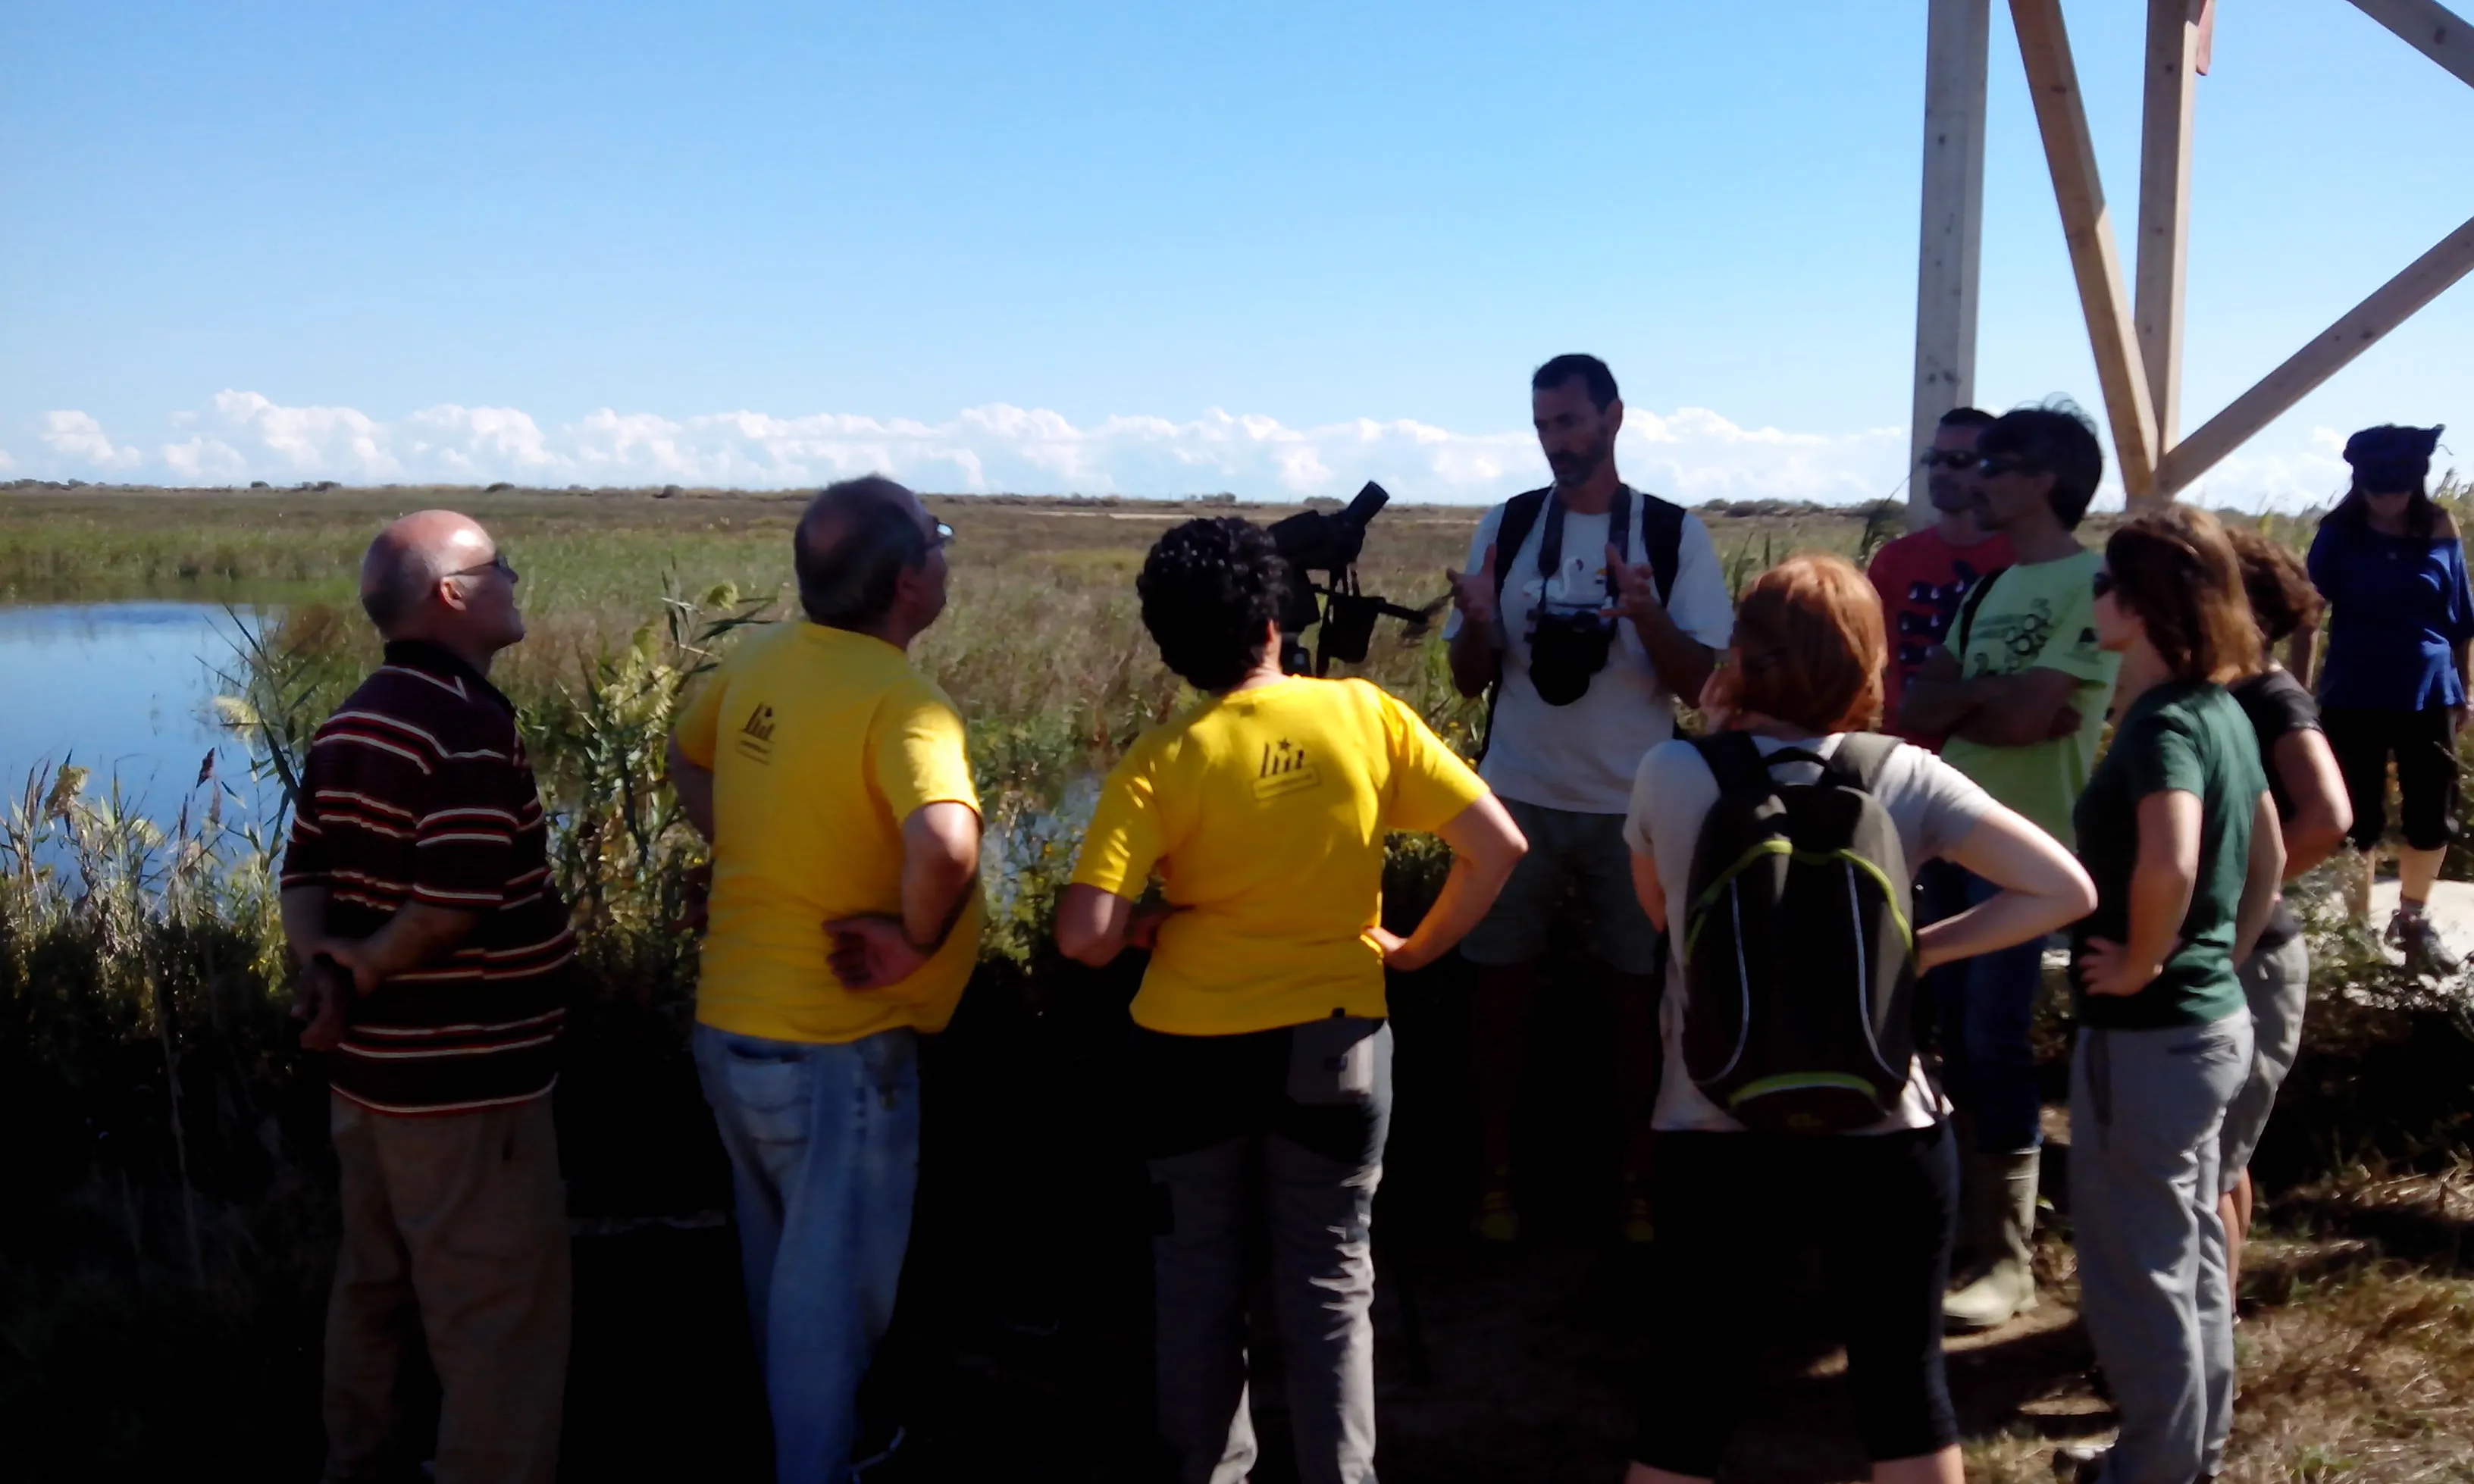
[(1317, 542)]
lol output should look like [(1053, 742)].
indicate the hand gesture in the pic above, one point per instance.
[(871, 952), (1631, 590), (2064, 724), (1473, 591), (2105, 969)]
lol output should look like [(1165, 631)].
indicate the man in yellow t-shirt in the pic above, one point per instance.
[(1262, 1041), (831, 778)]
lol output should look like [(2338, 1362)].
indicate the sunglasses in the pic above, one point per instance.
[(1989, 467), (2101, 584), (943, 538), (498, 564), (1944, 458)]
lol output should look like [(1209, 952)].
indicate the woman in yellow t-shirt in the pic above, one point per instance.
[(1262, 1057)]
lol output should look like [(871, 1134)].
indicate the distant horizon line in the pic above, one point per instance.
[(1219, 500)]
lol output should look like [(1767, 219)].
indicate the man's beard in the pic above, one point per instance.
[(1573, 470), (1950, 497)]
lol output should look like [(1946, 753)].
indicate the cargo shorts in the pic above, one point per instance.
[(1566, 849)]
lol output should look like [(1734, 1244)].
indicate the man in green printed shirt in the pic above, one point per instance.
[(2021, 692)]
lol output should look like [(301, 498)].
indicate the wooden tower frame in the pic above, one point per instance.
[(2137, 341)]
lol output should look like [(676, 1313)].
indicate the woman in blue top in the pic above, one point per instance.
[(2389, 562)]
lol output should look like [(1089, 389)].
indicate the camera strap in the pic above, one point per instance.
[(1550, 541)]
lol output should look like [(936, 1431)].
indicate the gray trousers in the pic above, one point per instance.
[(1317, 1212), (2146, 1108), (2277, 983)]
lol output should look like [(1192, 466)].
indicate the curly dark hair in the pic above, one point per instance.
[(2282, 598), (1208, 588)]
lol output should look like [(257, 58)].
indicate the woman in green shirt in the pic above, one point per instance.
[(2180, 832)]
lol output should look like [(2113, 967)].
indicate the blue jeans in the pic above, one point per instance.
[(824, 1159), (1987, 1005)]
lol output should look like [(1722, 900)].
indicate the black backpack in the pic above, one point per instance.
[(1661, 536), (1799, 961)]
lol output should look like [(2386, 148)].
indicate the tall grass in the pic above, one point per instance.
[(160, 1272)]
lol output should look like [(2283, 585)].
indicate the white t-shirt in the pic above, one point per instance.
[(1581, 756), (1932, 804)]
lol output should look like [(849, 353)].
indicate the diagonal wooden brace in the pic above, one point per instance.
[(2061, 116), (2389, 305)]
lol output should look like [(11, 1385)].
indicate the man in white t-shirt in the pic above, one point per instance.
[(1590, 607)]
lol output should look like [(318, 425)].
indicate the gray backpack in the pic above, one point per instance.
[(1799, 962)]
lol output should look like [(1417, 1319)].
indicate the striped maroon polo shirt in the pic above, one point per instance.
[(419, 791)]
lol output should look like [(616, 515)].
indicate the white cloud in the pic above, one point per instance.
[(1692, 454), (2258, 479), (75, 437)]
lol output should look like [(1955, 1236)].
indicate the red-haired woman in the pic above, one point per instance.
[(1803, 671), (2179, 830)]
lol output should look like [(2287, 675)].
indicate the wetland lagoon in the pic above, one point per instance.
[(168, 1229)]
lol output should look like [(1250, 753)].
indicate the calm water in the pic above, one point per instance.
[(122, 689)]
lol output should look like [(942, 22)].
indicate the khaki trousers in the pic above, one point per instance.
[(457, 1224)]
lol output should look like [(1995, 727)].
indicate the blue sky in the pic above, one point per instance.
[(1154, 248)]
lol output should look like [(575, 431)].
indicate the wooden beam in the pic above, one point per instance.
[(2389, 305), (2061, 116), (2429, 28), (1957, 37), (2163, 253)]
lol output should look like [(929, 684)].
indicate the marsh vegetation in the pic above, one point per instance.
[(169, 1220)]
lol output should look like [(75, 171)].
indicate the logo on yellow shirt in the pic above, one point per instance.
[(756, 738), (1285, 770)]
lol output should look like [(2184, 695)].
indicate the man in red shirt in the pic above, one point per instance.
[(1922, 578)]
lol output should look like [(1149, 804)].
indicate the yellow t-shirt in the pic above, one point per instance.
[(821, 744), (1264, 811)]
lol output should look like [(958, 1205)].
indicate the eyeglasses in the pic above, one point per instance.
[(498, 564), (2101, 584), (1945, 458), (1989, 467)]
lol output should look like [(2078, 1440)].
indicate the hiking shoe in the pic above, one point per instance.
[(1639, 1230), (1497, 1220), (2413, 935)]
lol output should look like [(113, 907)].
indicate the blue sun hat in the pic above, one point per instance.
[(2389, 457)]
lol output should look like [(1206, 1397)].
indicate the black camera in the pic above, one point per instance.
[(1565, 648), (1312, 541)]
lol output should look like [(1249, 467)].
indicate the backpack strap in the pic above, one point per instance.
[(1861, 756), (1967, 607), (1520, 517), (1736, 760), (1662, 531)]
